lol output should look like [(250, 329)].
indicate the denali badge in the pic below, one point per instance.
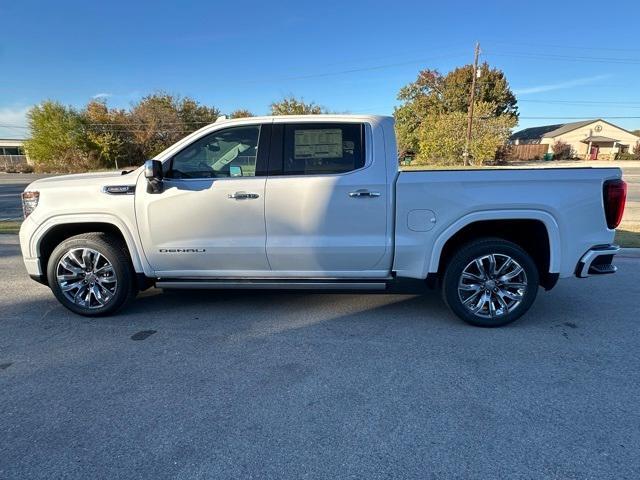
[(119, 189), (182, 250)]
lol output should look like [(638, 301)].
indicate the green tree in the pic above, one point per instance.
[(65, 139), (193, 115), (106, 137), (59, 141), (159, 120), (433, 94), (441, 140), (241, 113), (154, 124), (293, 106)]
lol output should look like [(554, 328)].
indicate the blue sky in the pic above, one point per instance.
[(563, 58)]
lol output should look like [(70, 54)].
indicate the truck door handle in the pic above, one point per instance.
[(243, 195), (363, 193)]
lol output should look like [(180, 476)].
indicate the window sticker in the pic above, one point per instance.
[(348, 146), (318, 143)]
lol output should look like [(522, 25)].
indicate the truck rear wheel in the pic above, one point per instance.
[(490, 282), (91, 274)]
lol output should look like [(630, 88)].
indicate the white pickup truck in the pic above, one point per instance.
[(317, 202)]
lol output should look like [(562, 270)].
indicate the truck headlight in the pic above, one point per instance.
[(29, 202)]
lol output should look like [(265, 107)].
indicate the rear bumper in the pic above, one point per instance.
[(597, 261)]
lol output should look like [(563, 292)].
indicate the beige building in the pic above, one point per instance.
[(12, 154), (589, 139)]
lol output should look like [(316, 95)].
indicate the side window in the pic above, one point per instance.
[(231, 152), (323, 148)]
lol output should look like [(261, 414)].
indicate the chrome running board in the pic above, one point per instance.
[(272, 284)]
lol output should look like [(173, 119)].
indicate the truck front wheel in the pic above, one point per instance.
[(490, 282), (91, 274)]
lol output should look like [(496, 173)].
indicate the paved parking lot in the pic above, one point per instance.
[(279, 385)]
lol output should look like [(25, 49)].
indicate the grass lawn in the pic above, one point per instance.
[(9, 227), (628, 235)]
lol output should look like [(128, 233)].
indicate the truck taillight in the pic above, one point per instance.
[(615, 196)]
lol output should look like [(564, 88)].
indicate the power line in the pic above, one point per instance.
[(571, 47), (106, 129), (590, 102), (435, 48), (617, 117), (355, 70), (15, 129), (472, 96), (579, 118), (570, 58), (579, 103), (137, 124)]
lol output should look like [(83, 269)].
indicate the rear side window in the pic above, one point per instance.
[(323, 148)]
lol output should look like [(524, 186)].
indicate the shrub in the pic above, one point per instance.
[(561, 150), (10, 167)]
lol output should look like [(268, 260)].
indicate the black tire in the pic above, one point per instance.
[(492, 289), (111, 250)]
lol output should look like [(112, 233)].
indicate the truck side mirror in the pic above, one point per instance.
[(153, 174)]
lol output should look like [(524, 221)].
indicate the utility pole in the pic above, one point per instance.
[(472, 98)]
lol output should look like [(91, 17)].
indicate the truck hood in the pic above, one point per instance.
[(84, 179)]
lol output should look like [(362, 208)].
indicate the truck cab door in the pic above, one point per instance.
[(208, 219), (328, 201)]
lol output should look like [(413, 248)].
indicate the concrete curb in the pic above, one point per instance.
[(629, 252)]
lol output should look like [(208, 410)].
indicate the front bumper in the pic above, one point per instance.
[(32, 263), (33, 266), (597, 261)]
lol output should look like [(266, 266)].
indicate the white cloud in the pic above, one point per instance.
[(561, 85), (102, 95), (13, 122)]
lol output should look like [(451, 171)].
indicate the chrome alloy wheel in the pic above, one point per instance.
[(492, 285), (86, 278)]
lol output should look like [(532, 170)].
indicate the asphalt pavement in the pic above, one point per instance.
[(208, 385)]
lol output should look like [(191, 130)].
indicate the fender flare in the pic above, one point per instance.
[(549, 221), (56, 220)]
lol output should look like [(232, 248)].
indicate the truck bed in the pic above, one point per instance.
[(432, 205)]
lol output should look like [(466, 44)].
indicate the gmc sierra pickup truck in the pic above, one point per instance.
[(317, 202)]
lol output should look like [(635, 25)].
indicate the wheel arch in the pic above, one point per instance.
[(58, 229), (537, 232)]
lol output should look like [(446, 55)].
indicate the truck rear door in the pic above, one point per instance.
[(326, 201)]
